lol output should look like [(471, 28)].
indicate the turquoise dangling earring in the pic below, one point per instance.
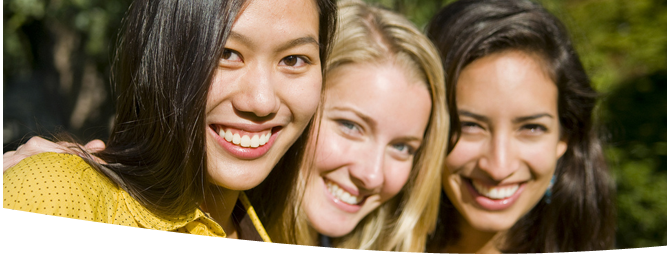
[(547, 195)]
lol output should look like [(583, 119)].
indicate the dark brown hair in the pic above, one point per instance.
[(581, 215), (165, 60)]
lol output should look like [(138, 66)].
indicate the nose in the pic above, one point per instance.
[(258, 96), (500, 158), (367, 170)]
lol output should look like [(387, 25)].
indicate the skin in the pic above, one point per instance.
[(365, 146), (510, 136), (269, 79)]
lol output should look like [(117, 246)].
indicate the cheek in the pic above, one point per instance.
[(463, 153), (396, 175), (215, 91), (541, 157), (303, 96), (331, 149)]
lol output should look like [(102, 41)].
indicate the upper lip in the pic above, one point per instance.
[(245, 127), (486, 182)]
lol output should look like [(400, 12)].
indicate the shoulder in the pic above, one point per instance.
[(57, 184), (52, 171)]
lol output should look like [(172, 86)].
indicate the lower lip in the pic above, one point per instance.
[(247, 153), (493, 204), (339, 203)]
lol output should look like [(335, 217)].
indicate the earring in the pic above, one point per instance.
[(547, 195)]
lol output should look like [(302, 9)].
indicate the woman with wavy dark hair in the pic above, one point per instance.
[(527, 167), (211, 95)]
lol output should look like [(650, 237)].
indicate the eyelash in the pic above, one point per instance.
[(228, 53), (305, 60), (348, 126), (409, 150), (299, 60), (531, 127), (465, 125)]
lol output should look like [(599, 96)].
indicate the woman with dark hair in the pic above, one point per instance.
[(527, 169), (211, 95)]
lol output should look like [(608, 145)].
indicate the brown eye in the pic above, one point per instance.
[(230, 55), (295, 61), (291, 60), (226, 54)]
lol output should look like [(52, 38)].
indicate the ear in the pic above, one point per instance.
[(561, 147)]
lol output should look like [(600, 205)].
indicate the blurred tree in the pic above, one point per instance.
[(636, 117), (56, 67)]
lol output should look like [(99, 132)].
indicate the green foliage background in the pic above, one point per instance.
[(54, 50)]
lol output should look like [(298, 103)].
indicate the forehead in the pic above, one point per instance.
[(384, 92), (507, 81), (281, 17)]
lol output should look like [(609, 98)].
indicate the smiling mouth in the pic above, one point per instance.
[(342, 195), (243, 138), (494, 192)]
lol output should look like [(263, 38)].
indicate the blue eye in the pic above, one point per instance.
[(403, 151), (347, 124), (401, 147), (349, 127)]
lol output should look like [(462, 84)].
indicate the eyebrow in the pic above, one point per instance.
[(473, 115), (363, 116), (290, 44), (372, 122), (298, 42), (531, 117), (485, 119)]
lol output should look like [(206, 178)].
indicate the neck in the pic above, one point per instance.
[(475, 241), (219, 202)]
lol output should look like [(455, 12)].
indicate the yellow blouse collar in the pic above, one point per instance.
[(196, 220)]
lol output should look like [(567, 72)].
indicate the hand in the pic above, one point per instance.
[(37, 145)]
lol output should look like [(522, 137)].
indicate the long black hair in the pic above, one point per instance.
[(581, 215), (164, 62), (166, 57)]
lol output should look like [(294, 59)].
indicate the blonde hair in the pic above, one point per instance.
[(368, 34)]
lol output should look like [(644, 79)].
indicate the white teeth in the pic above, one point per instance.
[(341, 194), (245, 140), (264, 139), (229, 136), (254, 141), (495, 192)]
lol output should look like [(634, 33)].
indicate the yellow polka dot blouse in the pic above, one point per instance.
[(65, 185)]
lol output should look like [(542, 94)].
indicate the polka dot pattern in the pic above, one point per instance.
[(65, 185)]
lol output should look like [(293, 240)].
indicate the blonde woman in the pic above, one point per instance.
[(375, 174)]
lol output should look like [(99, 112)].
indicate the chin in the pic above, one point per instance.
[(332, 229), (496, 226), (488, 222)]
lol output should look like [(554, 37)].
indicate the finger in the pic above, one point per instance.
[(38, 145), (7, 160), (95, 146)]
